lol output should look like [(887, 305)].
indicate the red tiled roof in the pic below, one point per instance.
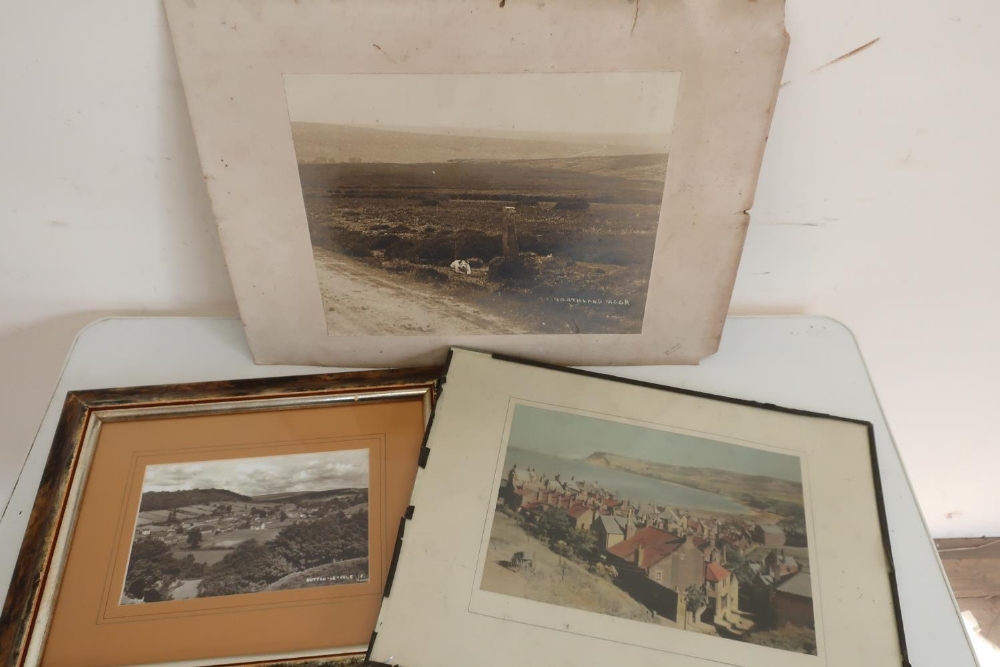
[(622, 549), (576, 511), (656, 545), (652, 536), (715, 572), (654, 555), (613, 503)]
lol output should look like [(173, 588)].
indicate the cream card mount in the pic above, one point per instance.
[(566, 513), (566, 180)]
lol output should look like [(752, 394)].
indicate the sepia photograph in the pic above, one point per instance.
[(665, 528), (235, 526), (483, 203)]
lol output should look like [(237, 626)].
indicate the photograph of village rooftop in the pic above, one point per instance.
[(250, 525), (482, 203), (653, 526)]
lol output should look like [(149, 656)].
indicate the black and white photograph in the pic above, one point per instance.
[(236, 526), (672, 529), (483, 203)]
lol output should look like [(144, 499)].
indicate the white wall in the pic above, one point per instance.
[(876, 206)]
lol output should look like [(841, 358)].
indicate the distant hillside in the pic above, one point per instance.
[(722, 482), (646, 166), (168, 500), (296, 496), (510, 180), (317, 143)]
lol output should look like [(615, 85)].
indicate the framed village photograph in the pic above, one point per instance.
[(246, 522), (567, 180), (604, 521), (657, 526)]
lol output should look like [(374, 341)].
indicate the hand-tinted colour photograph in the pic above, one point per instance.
[(648, 525)]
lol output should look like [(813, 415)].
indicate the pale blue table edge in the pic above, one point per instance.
[(804, 362)]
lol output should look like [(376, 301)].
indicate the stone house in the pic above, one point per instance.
[(673, 522), (779, 565), (793, 601), (723, 590), (580, 516), (769, 535), (611, 529), (657, 568)]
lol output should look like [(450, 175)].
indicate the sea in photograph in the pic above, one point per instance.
[(579, 523), (625, 484)]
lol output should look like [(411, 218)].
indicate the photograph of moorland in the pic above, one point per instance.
[(665, 528), (482, 204), (236, 526)]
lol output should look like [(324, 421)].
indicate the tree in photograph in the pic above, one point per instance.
[(695, 601), (757, 598), (194, 538), (153, 570), (606, 572), (740, 566), (253, 566), (248, 568), (165, 500), (581, 542), (222, 510), (332, 538), (561, 548), (553, 524), (144, 583)]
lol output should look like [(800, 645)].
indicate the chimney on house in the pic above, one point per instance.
[(629, 524), (639, 548)]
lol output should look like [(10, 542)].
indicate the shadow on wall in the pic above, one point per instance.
[(987, 652), (31, 359)]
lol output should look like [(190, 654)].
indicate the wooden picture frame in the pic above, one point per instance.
[(306, 418)]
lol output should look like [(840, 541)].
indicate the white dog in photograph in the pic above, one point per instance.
[(461, 266)]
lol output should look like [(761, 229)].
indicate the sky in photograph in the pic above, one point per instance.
[(577, 436), (321, 471), (626, 103)]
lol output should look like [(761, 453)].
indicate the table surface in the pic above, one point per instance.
[(810, 363)]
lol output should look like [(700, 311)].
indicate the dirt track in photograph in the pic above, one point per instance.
[(361, 301), (555, 235), (553, 579)]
